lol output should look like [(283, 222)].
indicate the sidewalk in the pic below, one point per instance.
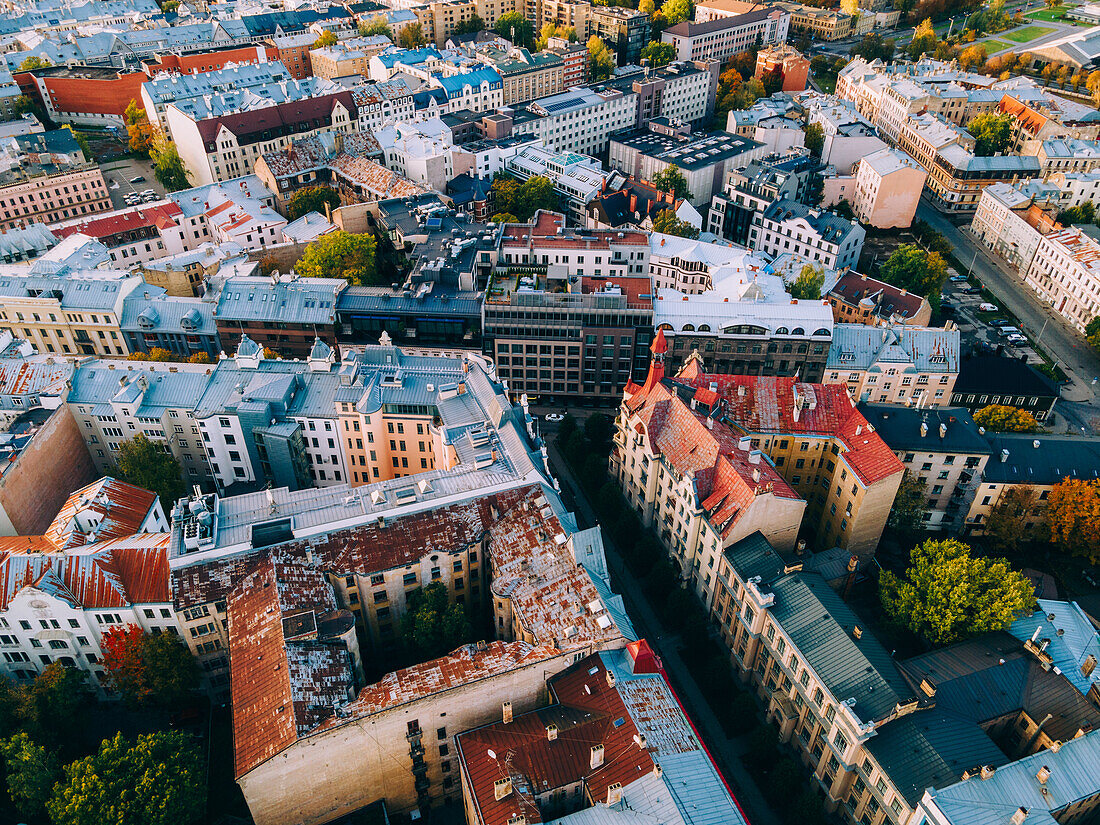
[(726, 752)]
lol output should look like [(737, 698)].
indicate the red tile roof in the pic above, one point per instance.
[(105, 509), (107, 227)]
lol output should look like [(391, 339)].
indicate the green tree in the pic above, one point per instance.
[(471, 25), (53, 703), (947, 594), (671, 179), (168, 167), (311, 199), (1004, 419), (378, 25), (145, 464), (431, 627), (139, 129), (992, 133), (808, 284), (534, 194), (749, 92), (169, 6), (1092, 333), (658, 53), (601, 62), (647, 7), (920, 272), (327, 38), (550, 30), (905, 513), (515, 27), (153, 669), (157, 780), (34, 62), (504, 217), (924, 40), (1076, 215), (81, 141), (667, 223), (677, 11), (598, 429), (340, 255), (31, 773), (411, 36), (1007, 523), (815, 138)]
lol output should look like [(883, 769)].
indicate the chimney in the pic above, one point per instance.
[(1019, 816), (1004, 456), (596, 758), (551, 732), (923, 429), (610, 678), (633, 202), (756, 475), (987, 771), (744, 443), (640, 741), (1043, 775), (507, 712), (859, 429), (502, 788), (614, 793), (943, 431)]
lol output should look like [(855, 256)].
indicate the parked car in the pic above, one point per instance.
[(555, 417), (987, 307), (1017, 340), (970, 290), (958, 279), (1004, 332), (138, 179), (1000, 322)]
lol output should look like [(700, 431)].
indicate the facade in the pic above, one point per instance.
[(722, 37), (569, 313), (819, 237), (31, 194), (577, 179), (895, 364), (888, 186), (579, 120), (1065, 273), (624, 30), (858, 299), (752, 188), (785, 62), (990, 379), (526, 76), (183, 326), (1011, 222)]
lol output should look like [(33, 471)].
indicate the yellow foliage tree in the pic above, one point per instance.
[(1002, 419), (1073, 516)]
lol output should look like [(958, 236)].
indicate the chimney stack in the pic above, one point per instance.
[(596, 758), (551, 732)]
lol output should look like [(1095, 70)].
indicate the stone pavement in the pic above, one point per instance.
[(726, 752)]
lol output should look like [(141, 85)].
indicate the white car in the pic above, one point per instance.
[(987, 307), (1017, 340), (554, 417)]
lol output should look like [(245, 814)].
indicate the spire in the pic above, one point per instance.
[(660, 345), (657, 365)]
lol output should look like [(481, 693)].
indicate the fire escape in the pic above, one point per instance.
[(419, 766)]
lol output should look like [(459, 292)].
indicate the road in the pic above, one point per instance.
[(1039, 321)]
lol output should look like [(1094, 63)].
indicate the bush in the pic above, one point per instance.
[(660, 581), (609, 503)]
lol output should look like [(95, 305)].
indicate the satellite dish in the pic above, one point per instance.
[(492, 753)]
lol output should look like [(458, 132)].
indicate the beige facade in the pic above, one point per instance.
[(824, 24), (1065, 272), (382, 445), (52, 198), (439, 19), (887, 189)]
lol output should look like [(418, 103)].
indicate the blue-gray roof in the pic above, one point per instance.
[(100, 290), (408, 57), (1067, 636), (100, 382), (832, 228), (902, 347), (1056, 457), (299, 300), (382, 300), (164, 314), (456, 84), (900, 428)]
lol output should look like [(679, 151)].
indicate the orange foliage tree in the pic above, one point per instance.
[(1073, 516)]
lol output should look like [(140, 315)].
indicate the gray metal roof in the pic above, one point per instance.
[(167, 386), (1068, 636), (753, 556), (297, 300), (1056, 457), (900, 428), (903, 347), (147, 312)]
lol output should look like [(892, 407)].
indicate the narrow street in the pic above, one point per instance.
[(725, 751)]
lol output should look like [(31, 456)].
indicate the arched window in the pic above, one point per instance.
[(704, 327), (822, 331), (688, 328), (798, 331), (782, 331)]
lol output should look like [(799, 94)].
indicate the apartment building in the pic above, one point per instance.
[(635, 205), (292, 50), (440, 18), (576, 178), (722, 37), (752, 188), (944, 449), (896, 363), (383, 103), (809, 435), (1012, 220), (183, 326), (722, 306), (135, 235), (858, 299), (888, 186), (569, 312), (580, 120), (526, 76), (625, 31), (1065, 272), (349, 58), (1068, 155), (819, 237), (83, 95), (785, 62), (992, 379), (47, 179)]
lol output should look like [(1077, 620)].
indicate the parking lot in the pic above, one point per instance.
[(985, 326), (130, 177)]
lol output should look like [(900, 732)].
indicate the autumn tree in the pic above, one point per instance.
[(411, 36), (924, 40), (908, 506), (808, 284), (51, 706), (920, 272), (1092, 333), (601, 61), (1073, 517), (515, 27), (147, 465), (647, 7), (992, 133), (972, 57), (159, 779), (1009, 517), (341, 255), (327, 38), (139, 129), (523, 199), (33, 62), (311, 199), (671, 179), (658, 54), (550, 30), (815, 138), (946, 594), (379, 25), (31, 772), (149, 669), (666, 223), (200, 358), (1003, 419), (431, 626), (677, 11)]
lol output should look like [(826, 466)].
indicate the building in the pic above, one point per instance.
[(83, 95), (722, 37), (579, 120), (526, 76), (807, 438), (568, 312), (944, 449), (625, 31), (183, 326), (820, 237), (704, 159), (858, 299), (135, 235), (207, 61), (1011, 221), (635, 205), (266, 78), (991, 379), (824, 24), (292, 50), (349, 58), (1064, 632), (577, 179), (785, 63), (440, 18), (895, 364), (285, 313), (1065, 272), (47, 179), (888, 186), (752, 188), (724, 307)]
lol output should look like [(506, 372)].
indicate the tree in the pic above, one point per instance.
[(1075, 215), (1003, 419), (601, 62), (647, 7), (844, 209), (139, 129), (659, 54), (200, 358), (169, 6), (598, 429), (411, 36), (157, 780), (512, 198), (667, 223), (340, 255), (924, 40), (81, 141), (515, 27), (1009, 517), (905, 514), (920, 272), (327, 38), (377, 26), (750, 92), (1092, 333), (472, 25), (671, 179), (31, 773), (504, 217), (973, 56), (431, 627), (677, 11), (311, 199), (947, 594), (168, 167), (53, 703), (992, 133), (550, 30), (1073, 517), (148, 668), (143, 463), (815, 138), (34, 62), (807, 286)]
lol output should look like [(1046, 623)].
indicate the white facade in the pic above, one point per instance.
[(580, 120), (1000, 227), (1065, 273), (816, 236)]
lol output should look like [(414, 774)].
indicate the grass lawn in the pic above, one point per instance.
[(994, 46), (1027, 34)]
